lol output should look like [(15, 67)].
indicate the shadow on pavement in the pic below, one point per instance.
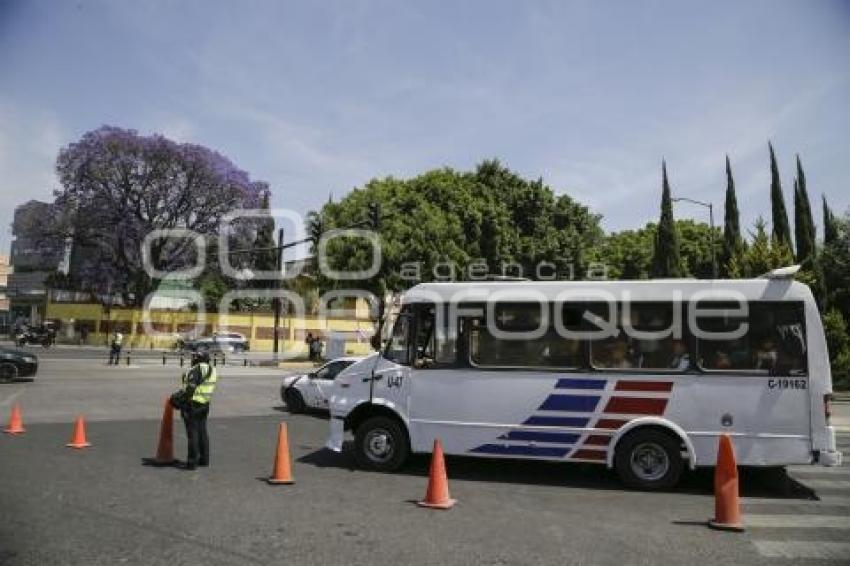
[(754, 482), (316, 413)]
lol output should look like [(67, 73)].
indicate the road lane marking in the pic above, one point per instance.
[(822, 473), (803, 549), (827, 484), (835, 501), (799, 521)]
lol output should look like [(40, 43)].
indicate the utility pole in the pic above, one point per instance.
[(277, 301), (710, 208), (373, 221)]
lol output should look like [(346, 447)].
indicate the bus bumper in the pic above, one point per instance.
[(829, 456), (337, 431)]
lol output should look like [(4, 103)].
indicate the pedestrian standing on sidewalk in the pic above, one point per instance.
[(309, 341)]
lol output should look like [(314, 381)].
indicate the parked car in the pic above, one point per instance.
[(311, 390), (16, 364), (218, 342)]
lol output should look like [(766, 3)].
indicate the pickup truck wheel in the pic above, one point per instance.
[(294, 401)]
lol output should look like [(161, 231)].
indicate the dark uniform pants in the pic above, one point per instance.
[(114, 355), (195, 418)]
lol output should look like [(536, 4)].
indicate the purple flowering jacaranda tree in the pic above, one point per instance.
[(118, 186)]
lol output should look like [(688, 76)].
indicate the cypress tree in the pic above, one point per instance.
[(732, 242), (781, 228), (666, 261), (830, 230), (804, 224)]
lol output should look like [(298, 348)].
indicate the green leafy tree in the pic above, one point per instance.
[(835, 263), (445, 223), (733, 243), (626, 254), (764, 254), (781, 228), (695, 240), (666, 261), (838, 343), (758, 257)]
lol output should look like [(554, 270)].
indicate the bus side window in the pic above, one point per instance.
[(647, 340), (774, 344), (501, 343)]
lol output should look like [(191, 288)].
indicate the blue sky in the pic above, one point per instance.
[(317, 98)]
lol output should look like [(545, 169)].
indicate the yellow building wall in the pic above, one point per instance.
[(258, 328)]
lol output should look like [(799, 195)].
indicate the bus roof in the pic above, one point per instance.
[(635, 290)]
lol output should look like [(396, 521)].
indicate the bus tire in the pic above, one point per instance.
[(380, 444), (649, 459)]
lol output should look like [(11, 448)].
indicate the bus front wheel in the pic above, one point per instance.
[(649, 459), (380, 444)]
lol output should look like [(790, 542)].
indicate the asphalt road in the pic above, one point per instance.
[(102, 506)]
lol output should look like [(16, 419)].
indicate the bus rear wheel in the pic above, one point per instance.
[(649, 460), (380, 444)]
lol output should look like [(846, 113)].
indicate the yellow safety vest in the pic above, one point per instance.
[(203, 392)]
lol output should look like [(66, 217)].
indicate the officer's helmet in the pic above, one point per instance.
[(201, 357)]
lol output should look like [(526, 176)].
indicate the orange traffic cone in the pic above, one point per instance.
[(165, 448), (727, 507), (437, 496), (16, 423), (79, 438), (282, 472)]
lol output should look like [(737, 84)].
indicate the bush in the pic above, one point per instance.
[(841, 371), (838, 342)]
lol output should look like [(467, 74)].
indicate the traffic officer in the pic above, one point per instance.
[(115, 348), (198, 386)]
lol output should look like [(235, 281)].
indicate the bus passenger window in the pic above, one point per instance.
[(774, 344), (648, 339), (611, 353), (497, 348)]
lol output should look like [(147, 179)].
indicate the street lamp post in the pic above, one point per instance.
[(710, 208)]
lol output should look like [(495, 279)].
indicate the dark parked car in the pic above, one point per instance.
[(40, 335), (15, 364)]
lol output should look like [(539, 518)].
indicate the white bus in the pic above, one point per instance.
[(641, 376)]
